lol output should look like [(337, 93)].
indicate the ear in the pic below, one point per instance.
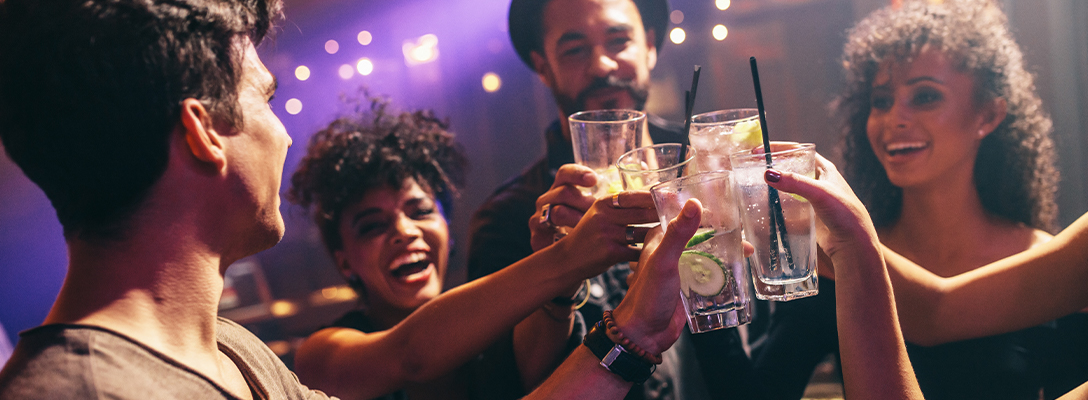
[(543, 69), (342, 263), (991, 115), (204, 141), (651, 48)]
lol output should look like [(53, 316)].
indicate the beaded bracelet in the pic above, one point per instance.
[(616, 336)]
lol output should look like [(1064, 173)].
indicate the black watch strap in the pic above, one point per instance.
[(615, 358)]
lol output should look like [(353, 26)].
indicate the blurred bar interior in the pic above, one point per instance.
[(455, 57)]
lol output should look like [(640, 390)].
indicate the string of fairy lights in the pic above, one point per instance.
[(424, 50)]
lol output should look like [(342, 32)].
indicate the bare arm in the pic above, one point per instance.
[(874, 358), (455, 326), (1040, 284), (651, 316)]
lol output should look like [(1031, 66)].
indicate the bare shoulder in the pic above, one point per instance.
[(1039, 237)]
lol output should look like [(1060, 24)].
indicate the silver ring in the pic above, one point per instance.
[(546, 216), (629, 234), (616, 200)]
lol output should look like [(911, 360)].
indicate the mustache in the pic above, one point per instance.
[(637, 93)]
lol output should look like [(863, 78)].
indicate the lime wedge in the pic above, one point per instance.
[(702, 273), (700, 237), (747, 134)]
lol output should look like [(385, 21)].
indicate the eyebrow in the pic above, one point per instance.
[(569, 37), (415, 201), (924, 78), (621, 28)]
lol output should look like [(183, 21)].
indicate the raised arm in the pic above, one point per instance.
[(651, 316), (1038, 285), (455, 326), (874, 359)]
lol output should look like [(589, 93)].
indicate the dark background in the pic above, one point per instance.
[(798, 44)]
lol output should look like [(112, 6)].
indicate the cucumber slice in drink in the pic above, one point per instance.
[(700, 237), (702, 273)]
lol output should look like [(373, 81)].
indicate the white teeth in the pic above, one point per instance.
[(904, 146), (409, 258)]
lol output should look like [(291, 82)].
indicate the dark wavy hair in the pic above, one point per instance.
[(375, 147), (91, 91), (1015, 172)]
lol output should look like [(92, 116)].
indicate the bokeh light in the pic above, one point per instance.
[(302, 72), (676, 16), (421, 51), (346, 71), (720, 32), (332, 47), (722, 4), (293, 106), (283, 308), (365, 38), (677, 35), (364, 66), (491, 82)]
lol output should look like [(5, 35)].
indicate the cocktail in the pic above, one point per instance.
[(600, 137), (647, 166), (784, 264), (716, 135), (713, 275)]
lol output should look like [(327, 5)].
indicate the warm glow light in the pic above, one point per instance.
[(346, 71), (422, 50), (365, 66), (332, 47), (720, 32), (676, 16), (722, 4), (491, 82), (302, 73), (293, 106), (283, 308), (365, 38), (677, 35)]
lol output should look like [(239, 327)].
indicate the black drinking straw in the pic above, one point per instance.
[(689, 107), (778, 221)]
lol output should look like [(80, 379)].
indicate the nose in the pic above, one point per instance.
[(603, 64), (406, 230), (901, 114)]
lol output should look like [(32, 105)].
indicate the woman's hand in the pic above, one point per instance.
[(601, 227), (842, 224)]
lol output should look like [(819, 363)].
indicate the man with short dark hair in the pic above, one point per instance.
[(146, 123)]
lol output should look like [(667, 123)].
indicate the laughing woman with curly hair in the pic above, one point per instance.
[(949, 148)]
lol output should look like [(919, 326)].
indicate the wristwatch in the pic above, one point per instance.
[(615, 358)]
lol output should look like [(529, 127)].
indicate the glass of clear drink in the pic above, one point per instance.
[(784, 265), (600, 137), (647, 166), (717, 134), (713, 274)]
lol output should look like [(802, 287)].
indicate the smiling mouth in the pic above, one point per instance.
[(411, 264), (905, 148)]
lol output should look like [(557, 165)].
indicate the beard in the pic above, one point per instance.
[(637, 92)]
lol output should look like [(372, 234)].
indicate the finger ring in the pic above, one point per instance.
[(616, 200), (546, 216), (629, 234)]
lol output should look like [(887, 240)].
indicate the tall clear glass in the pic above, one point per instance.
[(717, 134), (647, 166), (784, 265), (600, 137), (713, 275)]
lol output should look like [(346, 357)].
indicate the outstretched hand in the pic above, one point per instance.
[(651, 314)]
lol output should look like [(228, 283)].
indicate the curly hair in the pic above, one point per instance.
[(374, 148), (1014, 172)]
